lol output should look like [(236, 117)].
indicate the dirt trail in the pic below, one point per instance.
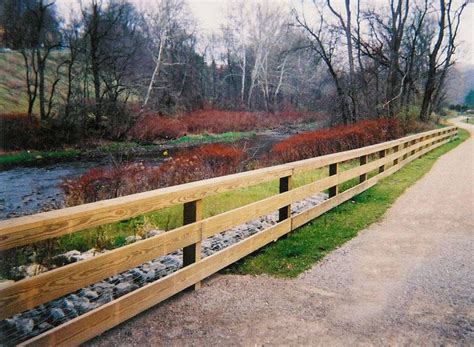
[(406, 280)]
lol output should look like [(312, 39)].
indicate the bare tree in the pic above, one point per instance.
[(323, 40), (440, 56)]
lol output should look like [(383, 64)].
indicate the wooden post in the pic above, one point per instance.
[(382, 155), (412, 143), (405, 145), (285, 185), (421, 147), (333, 169), (192, 212), (395, 150), (363, 161)]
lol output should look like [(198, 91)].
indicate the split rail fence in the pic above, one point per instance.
[(382, 159)]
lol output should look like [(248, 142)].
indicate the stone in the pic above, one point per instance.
[(89, 294), (124, 288), (70, 312), (154, 232), (102, 287), (105, 298), (25, 326), (58, 315), (44, 326), (66, 258), (126, 277), (34, 269), (90, 253), (113, 280), (65, 303), (76, 258), (82, 305), (138, 276), (132, 239), (150, 276)]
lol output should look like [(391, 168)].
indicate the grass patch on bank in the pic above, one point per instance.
[(209, 138), (26, 157), (301, 249)]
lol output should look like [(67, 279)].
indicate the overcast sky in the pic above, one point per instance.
[(209, 17)]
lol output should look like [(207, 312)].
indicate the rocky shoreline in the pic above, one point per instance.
[(46, 316)]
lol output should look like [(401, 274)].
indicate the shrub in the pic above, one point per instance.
[(201, 162), (151, 127), (107, 183), (216, 121), (17, 131), (326, 141), (188, 165)]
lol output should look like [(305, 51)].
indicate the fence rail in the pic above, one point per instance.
[(385, 159)]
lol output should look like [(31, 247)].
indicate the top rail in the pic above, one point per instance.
[(42, 226)]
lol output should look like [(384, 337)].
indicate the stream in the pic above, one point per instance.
[(29, 190)]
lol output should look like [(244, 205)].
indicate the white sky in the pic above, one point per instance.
[(209, 15)]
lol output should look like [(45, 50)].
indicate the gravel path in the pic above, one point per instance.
[(406, 280)]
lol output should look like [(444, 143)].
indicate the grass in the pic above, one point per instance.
[(13, 97), (209, 138), (299, 251), (26, 157), (114, 235)]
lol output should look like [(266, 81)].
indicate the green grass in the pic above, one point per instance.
[(113, 235), (27, 157), (299, 251), (208, 138)]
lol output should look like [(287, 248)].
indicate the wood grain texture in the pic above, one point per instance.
[(103, 318), (30, 292), (117, 311), (26, 230)]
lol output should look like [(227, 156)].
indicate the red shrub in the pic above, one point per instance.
[(19, 132), (215, 121), (106, 183), (188, 165), (151, 127), (201, 162), (342, 138)]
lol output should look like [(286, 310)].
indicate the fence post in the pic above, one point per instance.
[(333, 169), (395, 150), (405, 146), (421, 147), (382, 155), (285, 185), (192, 212), (363, 161)]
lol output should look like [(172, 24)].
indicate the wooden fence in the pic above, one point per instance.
[(383, 159)]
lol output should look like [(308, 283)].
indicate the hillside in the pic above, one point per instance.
[(13, 96)]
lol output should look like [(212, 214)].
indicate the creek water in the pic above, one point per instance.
[(28, 190)]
